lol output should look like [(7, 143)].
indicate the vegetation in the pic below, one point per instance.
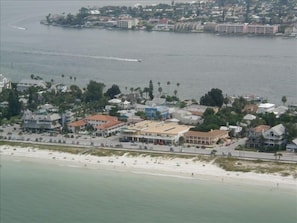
[(233, 164), (213, 98)]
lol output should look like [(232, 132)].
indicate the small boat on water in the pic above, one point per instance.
[(139, 60)]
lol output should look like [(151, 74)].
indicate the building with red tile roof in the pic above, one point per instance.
[(103, 125)]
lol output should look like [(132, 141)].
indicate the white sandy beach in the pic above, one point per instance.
[(174, 167)]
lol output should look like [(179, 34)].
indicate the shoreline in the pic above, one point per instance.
[(186, 168)]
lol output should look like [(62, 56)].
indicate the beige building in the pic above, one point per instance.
[(205, 138), (163, 133)]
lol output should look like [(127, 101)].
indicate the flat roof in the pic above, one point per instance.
[(155, 127)]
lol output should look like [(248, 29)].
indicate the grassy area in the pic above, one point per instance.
[(257, 166), (67, 149)]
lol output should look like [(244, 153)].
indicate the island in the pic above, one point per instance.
[(273, 18)]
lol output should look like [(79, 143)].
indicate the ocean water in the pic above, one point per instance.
[(261, 66), (41, 192)]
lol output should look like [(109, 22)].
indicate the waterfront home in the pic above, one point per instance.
[(265, 107), (205, 138), (41, 120), (156, 132), (255, 136), (280, 110), (275, 136), (25, 84)]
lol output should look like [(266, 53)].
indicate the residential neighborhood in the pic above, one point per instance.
[(215, 16), (137, 119)]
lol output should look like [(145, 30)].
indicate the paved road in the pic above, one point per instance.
[(12, 133)]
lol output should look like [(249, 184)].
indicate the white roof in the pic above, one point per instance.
[(249, 117), (266, 105), (115, 101)]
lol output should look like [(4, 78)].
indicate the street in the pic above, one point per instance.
[(14, 133)]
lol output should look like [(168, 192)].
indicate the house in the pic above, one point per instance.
[(275, 136), (24, 85), (164, 133), (292, 147), (248, 118), (265, 107), (4, 83), (205, 138), (250, 108), (280, 110), (232, 128), (41, 120), (186, 117), (103, 125), (255, 136)]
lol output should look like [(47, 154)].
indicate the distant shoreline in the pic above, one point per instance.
[(43, 22)]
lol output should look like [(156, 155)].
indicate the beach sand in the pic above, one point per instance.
[(163, 166)]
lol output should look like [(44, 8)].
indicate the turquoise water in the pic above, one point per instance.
[(36, 192)]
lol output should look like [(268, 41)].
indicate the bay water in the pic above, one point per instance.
[(261, 66), (45, 192), (39, 192)]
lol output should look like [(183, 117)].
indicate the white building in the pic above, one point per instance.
[(41, 121), (265, 107), (4, 83), (127, 23)]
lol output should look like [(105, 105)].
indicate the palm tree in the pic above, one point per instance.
[(62, 75), (284, 99), (131, 89), (146, 91), (160, 91), (32, 76), (70, 77), (74, 78), (168, 84), (175, 92)]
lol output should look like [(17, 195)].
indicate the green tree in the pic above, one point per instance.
[(151, 90), (284, 100), (94, 91), (113, 91), (239, 104), (213, 98), (76, 92)]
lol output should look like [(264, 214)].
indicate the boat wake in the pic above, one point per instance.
[(19, 27), (83, 56)]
